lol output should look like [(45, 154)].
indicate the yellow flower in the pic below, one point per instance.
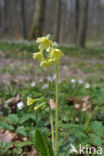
[(56, 55), (44, 43), (44, 64), (30, 101), (36, 108), (38, 56), (50, 62), (40, 106)]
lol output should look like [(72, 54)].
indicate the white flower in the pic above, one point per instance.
[(45, 86), (41, 80), (49, 78), (87, 85), (80, 81), (77, 105), (20, 105), (73, 80), (33, 84), (54, 77)]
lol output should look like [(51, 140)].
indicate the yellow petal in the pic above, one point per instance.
[(44, 64), (30, 101), (38, 56), (56, 54), (40, 39), (44, 43)]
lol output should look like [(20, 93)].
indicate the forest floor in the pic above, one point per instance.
[(81, 98), (16, 64)]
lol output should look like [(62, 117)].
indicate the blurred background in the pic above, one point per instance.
[(78, 27), (79, 22)]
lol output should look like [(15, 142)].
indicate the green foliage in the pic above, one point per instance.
[(21, 130), (4, 147), (25, 118), (97, 128), (91, 135), (42, 144), (13, 118), (15, 48), (23, 144), (30, 47), (5, 125), (94, 140)]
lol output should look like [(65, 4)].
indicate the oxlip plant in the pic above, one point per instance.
[(48, 55)]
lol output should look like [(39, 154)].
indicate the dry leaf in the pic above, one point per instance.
[(52, 104), (70, 100), (86, 99), (13, 100), (6, 136), (34, 153), (80, 104)]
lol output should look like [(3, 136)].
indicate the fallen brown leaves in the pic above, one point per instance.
[(82, 104), (6, 136), (13, 100), (12, 103)]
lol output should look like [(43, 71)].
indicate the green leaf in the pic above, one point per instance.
[(13, 118), (42, 144), (23, 144), (102, 151), (4, 146), (5, 125), (27, 117), (31, 134), (97, 128), (97, 142), (17, 150), (21, 130), (94, 140)]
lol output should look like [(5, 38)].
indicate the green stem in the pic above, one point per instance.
[(56, 121), (52, 130)]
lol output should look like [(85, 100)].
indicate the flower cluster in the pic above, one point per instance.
[(48, 54), (40, 102)]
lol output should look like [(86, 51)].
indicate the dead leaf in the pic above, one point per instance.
[(70, 100), (52, 104), (80, 104), (77, 106), (86, 98), (13, 100), (2, 54), (6, 136), (0, 101), (34, 153), (65, 68)]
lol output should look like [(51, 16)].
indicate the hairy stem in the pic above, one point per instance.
[(52, 130), (56, 120)]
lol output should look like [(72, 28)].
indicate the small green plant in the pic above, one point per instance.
[(47, 56)]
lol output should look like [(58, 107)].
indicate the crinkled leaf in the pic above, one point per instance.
[(13, 118), (97, 128), (94, 140), (21, 130), (27, 117), (42, 144), (5, 125)]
